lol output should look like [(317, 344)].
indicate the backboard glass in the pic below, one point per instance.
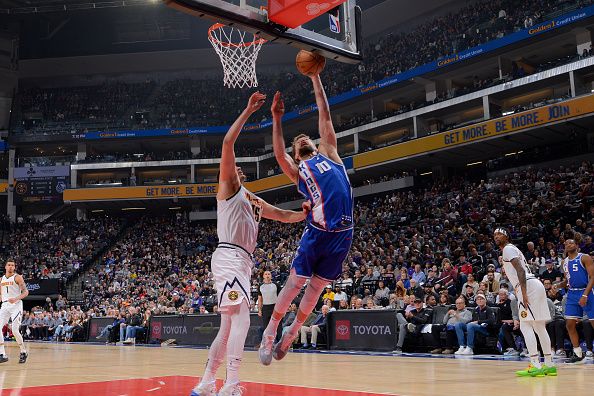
[(340, 41)]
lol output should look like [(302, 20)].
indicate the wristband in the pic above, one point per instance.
[(585, 295)]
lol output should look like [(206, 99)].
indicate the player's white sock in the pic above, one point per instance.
[(2, 351), (308, 302), (240, 325), (531, 344), (535, 361), (578, 351), (218, 349), (285, 297), (540, 328)]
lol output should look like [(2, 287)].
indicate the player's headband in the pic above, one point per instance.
[(502, 231)]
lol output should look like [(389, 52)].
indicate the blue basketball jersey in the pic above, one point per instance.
[(577, 276), (326, 184)]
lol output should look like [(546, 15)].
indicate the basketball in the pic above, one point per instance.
[(310, 63)]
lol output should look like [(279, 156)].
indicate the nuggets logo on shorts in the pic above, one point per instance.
[(524, 314), (233, 295)]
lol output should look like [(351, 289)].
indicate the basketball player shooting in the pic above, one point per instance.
[(13, 289), (579, 278), (321, 178), (238, 217), (532, 306)]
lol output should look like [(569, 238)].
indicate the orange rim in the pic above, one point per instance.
[(217, 26)]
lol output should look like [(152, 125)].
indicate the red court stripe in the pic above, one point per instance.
[(170, 386)]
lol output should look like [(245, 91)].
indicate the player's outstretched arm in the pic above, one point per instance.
[(228, 178), (328, 142), (278, 141), (271, 212)]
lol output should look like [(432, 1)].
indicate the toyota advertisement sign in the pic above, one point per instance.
[(373, 330)]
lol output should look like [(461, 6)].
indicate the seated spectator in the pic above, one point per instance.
[(382, 295), (484, 319), (454, 316), (134, 325), (510, 324), (550, 272), (318, 326), (556, 328), (470, 281), (412, 322)]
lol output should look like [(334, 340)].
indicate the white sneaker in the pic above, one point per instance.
[(265, 350), (467, 351), (589, 355), (128, 341), (561, 353), (460, 350), (202, 389), (231, 390), (524, 353), (511, 352)]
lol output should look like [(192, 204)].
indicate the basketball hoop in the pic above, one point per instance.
[(238, 56)]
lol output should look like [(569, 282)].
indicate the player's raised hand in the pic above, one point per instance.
[(256, 101), (278, 106)]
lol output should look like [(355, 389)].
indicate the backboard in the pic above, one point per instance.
[(335, 35)]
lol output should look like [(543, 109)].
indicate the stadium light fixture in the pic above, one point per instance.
[(126, 209), (97, 211), (426, 173), (506, 113), (175, 208), (474, 163)]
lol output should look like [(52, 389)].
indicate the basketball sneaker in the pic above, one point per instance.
[(205, 389), (3, 359), (282, 347), (265, 350), (575, 359), (531, 371), (23, 357), (550, 371), (231, 390)]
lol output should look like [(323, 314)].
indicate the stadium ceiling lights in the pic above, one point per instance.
[(77, 6)]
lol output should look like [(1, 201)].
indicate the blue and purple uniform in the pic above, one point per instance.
[(577, 279), (328, 235)]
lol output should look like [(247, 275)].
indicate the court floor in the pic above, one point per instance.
[(84, 369)]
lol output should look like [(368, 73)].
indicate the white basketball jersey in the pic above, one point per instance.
[(510, 252), (10, 289), (238, 218)]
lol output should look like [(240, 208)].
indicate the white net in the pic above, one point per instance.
[(237, 55)]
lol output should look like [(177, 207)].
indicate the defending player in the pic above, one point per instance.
[(532, 306), (321, 177), (238, 216), (12, 290), (579, 274)]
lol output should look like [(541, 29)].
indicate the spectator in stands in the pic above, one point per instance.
[(550, 272), (454, 316), (510, 323), (318, 326), (382, 295), (483, 319), (134, 325), (412, 322), (556, 328)]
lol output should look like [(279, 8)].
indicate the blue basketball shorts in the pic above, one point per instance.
[(574, 310), (322, 253)]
